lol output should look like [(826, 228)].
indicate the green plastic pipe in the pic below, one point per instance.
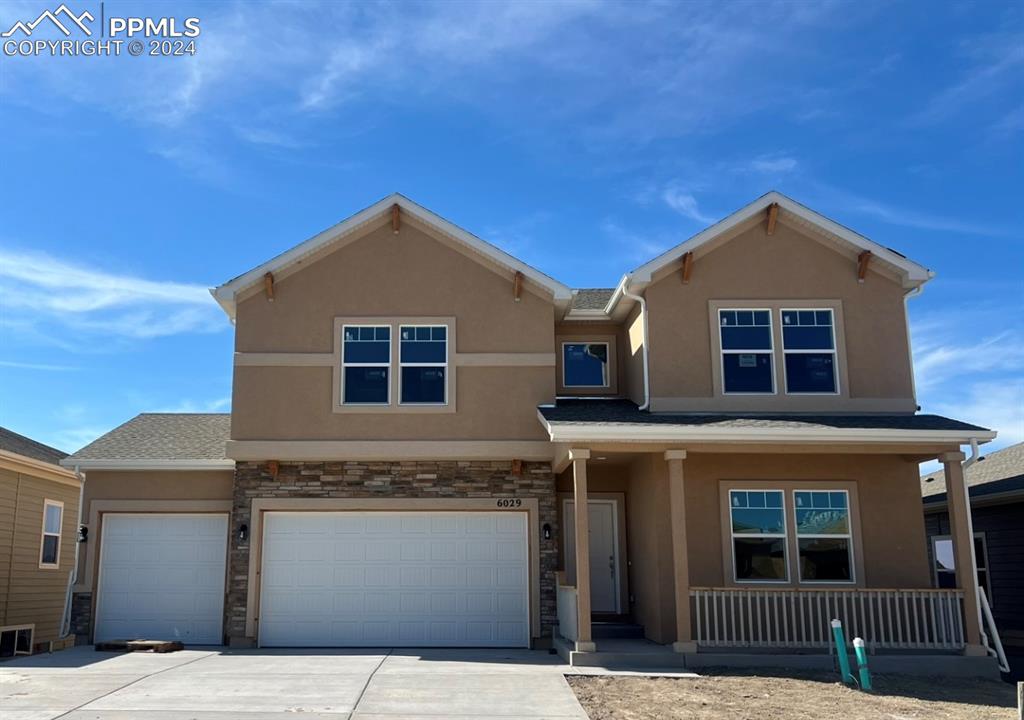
[(862, 664), (844, 660)]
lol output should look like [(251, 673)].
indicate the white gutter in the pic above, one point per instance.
[(119, 464), (630, 432), (643, 315), (65, 625)]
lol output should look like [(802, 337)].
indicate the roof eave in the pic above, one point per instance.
[(146, 464), (227, 293)]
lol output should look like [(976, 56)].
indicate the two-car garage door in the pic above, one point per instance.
[(394, 579)]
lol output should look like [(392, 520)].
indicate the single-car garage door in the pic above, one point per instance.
[(162, 577), (433, 579)]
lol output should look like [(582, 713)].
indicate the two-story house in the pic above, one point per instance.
[(433, 444)]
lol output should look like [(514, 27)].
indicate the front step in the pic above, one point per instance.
[(602, 630), (624, 654)]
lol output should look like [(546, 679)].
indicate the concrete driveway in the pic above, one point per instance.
[(215, 684)]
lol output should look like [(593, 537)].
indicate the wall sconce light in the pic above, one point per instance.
[(243, 532), (547, 531), (83, 533)]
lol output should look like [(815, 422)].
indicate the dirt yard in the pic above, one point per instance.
[(798, 696)]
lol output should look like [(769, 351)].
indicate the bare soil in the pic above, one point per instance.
[(797, 696)]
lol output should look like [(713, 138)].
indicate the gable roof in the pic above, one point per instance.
[(160, 440), (911, 274), (27, 447), (993, 472), (227, 293)]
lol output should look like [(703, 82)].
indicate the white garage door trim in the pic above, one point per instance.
[(204, 623), (430, 578)]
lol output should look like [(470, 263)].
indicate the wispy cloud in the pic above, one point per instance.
[(222, 404), (772, 164), (998, 61), (37, 291), (36, 366), (851, 202), (634, 246), (683, 202)]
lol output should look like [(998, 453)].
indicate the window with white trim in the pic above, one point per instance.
[(585, 364), (758, 529), (809, 349), (823, 535), (944, 560), (747, 346), (423, 364), (366, 365), (53, 518)]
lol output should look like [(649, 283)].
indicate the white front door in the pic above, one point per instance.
[(604, 553), (379, 579), (162, 577)]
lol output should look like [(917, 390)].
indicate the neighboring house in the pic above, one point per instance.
[(432, 443), (996, 486), (38, 536)]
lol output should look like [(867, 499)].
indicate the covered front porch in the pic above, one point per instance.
[(701, 553)]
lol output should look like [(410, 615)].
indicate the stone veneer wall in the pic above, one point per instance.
[(81, 617), (406, 479)]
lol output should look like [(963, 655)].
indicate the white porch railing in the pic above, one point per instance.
[(888, 619), (568, 625)]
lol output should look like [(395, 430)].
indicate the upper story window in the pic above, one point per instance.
[(366, 365), (585, 365), (53, 518), (808, 342), (758, 519), (746, 337), (423, 358)]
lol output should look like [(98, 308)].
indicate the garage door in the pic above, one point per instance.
[(162, 577), (434, 579)]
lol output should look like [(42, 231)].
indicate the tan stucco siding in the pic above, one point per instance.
[(30, 594), (568, 332), (389, 275), (634, 356), (889, 507), (493, 403), (154, 488), (785, 266), (383, 275)]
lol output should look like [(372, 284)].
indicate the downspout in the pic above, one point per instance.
[(643, 315), (910, 347), (65, 626)]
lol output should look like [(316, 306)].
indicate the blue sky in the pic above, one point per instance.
[(582, 137)]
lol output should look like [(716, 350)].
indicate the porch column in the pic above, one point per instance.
[(680, 553), (581, 517), (962, 532)]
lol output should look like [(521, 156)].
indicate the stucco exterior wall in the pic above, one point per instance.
[(135, 491), (786, 266), (383, 274), (890, 535)]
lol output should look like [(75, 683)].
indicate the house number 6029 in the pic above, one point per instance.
[(510, 502)]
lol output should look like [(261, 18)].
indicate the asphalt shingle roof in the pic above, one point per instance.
[(21, 445), (163, 436), (1005, 467), (625, 412), (592, 298)]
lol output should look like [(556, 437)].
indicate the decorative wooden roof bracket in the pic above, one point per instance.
[(687, 267), (862, 265), (396, 220), (517, 285), (773, 216), (268, 285)]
